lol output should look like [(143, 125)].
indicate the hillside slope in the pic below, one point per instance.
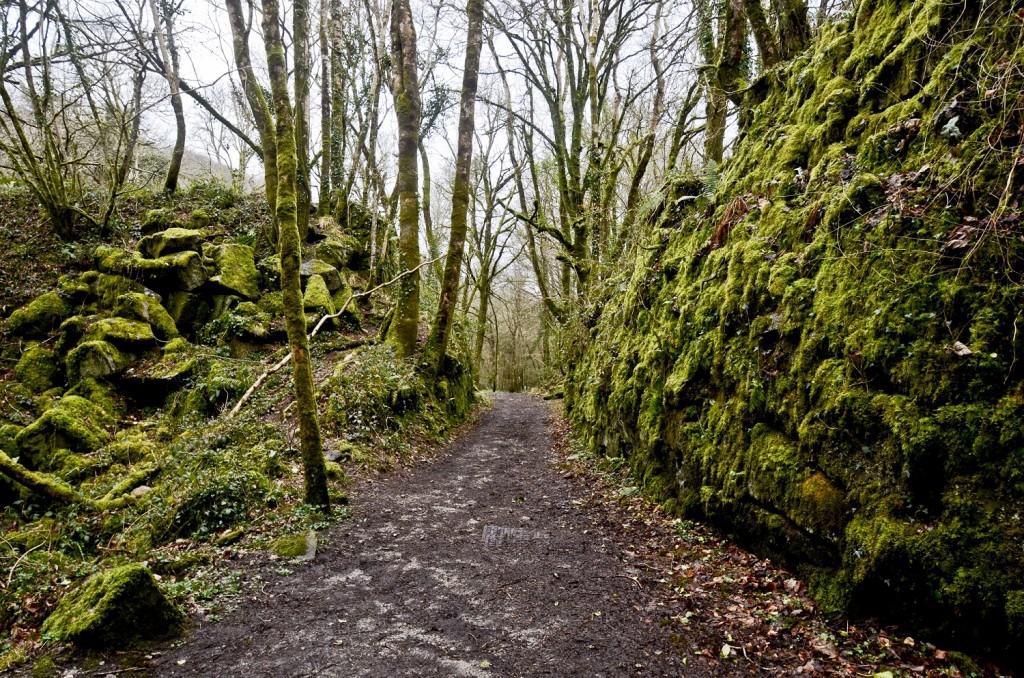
[(822, 349)]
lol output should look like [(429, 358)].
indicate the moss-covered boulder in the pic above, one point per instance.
[(158, 375), (147, 308), (317, 298), (129, 335), (342, 298), (159, 220), (181, 270), (38, 368), (332, 278), (106, 288), (94, 359), (236, 270), (73, 424), (39, 317), (170, 241), (340, 251), (112, 609)]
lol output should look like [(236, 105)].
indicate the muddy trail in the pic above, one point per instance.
[(481, 563)]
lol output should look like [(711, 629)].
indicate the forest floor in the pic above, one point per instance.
[(508, 555)]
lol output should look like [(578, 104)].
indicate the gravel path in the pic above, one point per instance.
[(481, 563)]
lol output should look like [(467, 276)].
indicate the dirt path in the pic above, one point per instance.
[(479, 564)]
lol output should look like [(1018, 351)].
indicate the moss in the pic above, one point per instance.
[(200, 218), (158, 220), (181, 270), (799, 384), (39, 317), (236, 270), (113, 608), (160, 375), (170, 241), (290, 546), (74, 424), (329, 274), (317, 296), (94, 359), (129, 335), (148, 309), (38, 368), (341, 252)]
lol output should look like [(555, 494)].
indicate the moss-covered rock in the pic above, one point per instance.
[(159, 220), (317, 296), (129, 335), (236, 270), (105, 288), (38, 368), (39, 317), (341, 252), (95, 359), (315, 267), (170, 241), (158, 375), (148, 309), (180, 271), (73, 424), (819, 354), (113, 608)]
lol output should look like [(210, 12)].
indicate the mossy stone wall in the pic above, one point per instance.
[(824, 352)]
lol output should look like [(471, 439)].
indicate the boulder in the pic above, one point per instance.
[(170, 241), (338, 251), (148, 309), (94, 359), (168, 371), (180, 271), (105, 288), (159, 220), (341, 297), (329, 273), (74, 424), (317, 296), (112, 609), (40, 316), (130, 335), (38, 368), (236, 270)]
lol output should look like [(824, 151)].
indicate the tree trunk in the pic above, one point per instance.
[(438, 342), (405, 326), (300, 31), (311, 446), (767, 45), (794, 28), (326, 143), (257, 104), (163, 31)]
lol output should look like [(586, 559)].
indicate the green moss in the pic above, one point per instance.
[(73, 424), (94, 359), (129, 335), (329, 274), (148, 309), (39, 317), (317, 296), (38, 368), (170, 241), (158, 220), (799, 385), (200, 218), (236, 270), (341, 252), (112, 609), (290, 546), (181, 270)]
